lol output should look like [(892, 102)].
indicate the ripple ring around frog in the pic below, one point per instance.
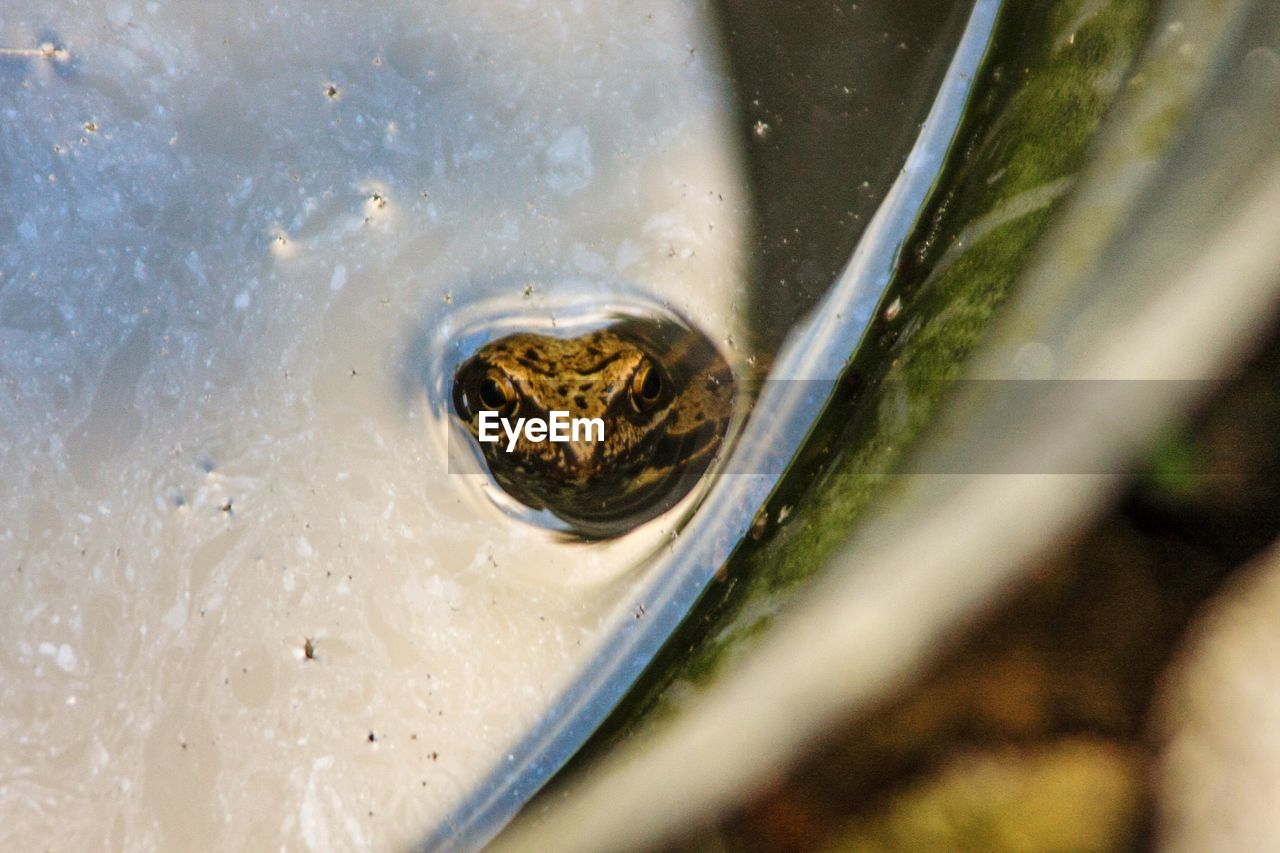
[(663, 390)]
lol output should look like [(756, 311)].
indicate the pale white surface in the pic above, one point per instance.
[(1218, 779), (213, 275)]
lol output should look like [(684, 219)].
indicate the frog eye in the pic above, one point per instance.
[(646, 387), (496, 393)]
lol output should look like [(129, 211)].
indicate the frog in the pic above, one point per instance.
[(664, 393)]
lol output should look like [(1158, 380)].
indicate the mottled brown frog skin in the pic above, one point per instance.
[(665, 395)]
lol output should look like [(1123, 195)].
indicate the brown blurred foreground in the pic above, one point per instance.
[(1034, 732)]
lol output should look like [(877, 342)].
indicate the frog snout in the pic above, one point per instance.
[(578, 456)]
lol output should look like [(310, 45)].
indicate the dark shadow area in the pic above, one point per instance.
[(830, 97)]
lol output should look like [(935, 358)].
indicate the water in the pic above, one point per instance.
[(807, 368), (243, 601)]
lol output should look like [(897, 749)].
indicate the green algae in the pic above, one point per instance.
[(1053, 72)]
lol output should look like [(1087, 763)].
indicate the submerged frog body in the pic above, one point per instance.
[(663, 392)]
